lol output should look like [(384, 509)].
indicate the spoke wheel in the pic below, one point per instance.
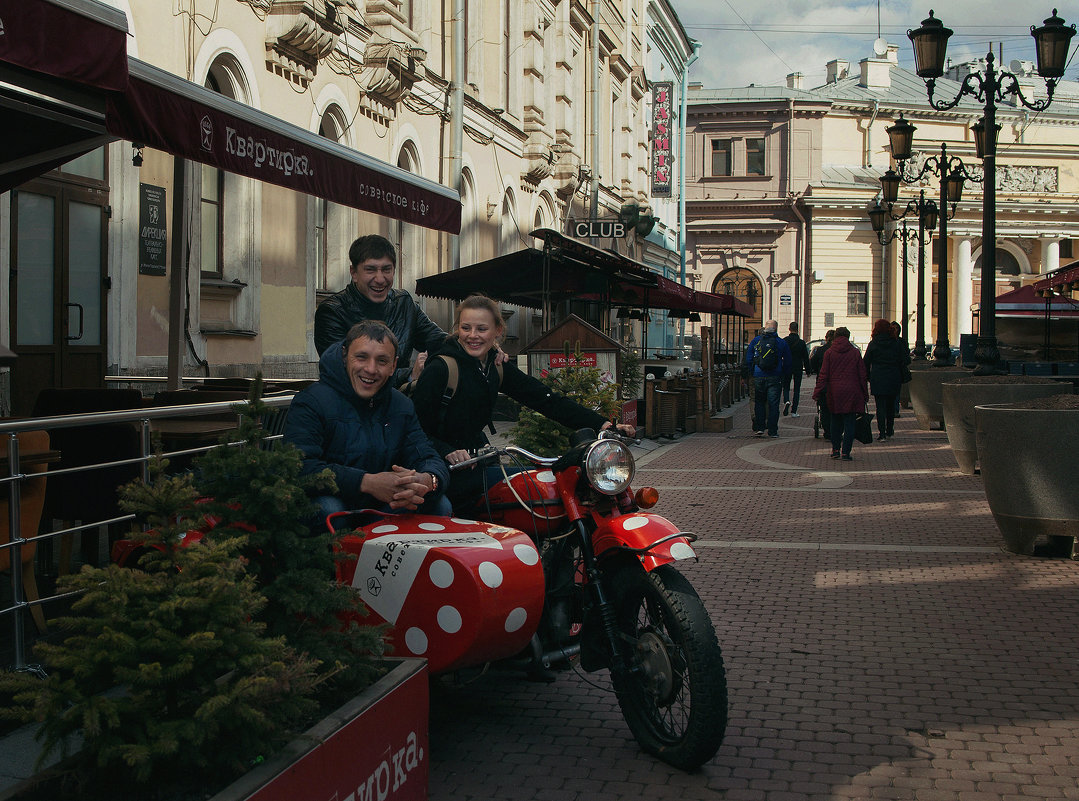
[(674, 692)]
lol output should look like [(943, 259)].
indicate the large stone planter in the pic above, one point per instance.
[(959, 397), (1028, 465), (925, 395)]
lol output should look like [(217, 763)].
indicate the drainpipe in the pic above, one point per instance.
[(803, 271), (457, 121), (593, 210), (682, 182), (867, 160)]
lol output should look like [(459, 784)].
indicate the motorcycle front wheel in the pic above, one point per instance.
[(674, 693)]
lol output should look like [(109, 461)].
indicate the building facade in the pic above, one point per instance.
[(781, 179), (537, 112)]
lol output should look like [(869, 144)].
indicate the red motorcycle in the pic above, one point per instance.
[(560, 564)]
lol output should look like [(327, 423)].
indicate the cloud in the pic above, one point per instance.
[(749, 42)]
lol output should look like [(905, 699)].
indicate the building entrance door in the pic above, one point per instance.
[(58, 288)]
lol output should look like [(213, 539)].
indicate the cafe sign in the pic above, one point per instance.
[(662, 150)]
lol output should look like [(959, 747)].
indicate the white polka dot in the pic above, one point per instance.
[(516, 619), (416, 641), (432, 527), (383, 529), (634, 523), (491, 574), (547, 477), (441, 573), (461, 521), (449, 620), (526, 553), (681, 550)]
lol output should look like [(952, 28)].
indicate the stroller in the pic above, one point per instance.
[(818, 420)]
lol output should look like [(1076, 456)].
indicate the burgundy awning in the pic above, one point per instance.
[(574, 274), (168, 113), (77, 40), (58, 61)]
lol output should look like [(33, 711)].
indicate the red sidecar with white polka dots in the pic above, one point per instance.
[(458, 592)]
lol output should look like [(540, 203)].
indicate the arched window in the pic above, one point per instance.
[(408, 238), (328, 221), (742, 284), (509, 236)]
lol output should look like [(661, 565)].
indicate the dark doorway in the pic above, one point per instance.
[(59, 282)]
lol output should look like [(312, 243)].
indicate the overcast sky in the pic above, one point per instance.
[(759, 41)]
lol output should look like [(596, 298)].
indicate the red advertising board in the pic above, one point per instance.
[(629, 413), (381, 754), (559, 360)]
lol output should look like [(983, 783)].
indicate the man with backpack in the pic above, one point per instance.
[(768, 362)]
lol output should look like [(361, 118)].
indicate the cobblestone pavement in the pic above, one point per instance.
[(878, 643)]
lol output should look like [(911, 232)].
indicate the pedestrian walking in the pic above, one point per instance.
[(884, 361), (799, 366), (768, 360), (842, 378)]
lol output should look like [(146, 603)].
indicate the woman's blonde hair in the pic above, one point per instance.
[(483, 303)]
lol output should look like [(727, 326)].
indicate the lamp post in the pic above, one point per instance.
[(952, 172), (927, 221), (878, 217), (930, 47)]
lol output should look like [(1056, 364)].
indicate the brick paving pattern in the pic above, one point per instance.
[(878, 643)]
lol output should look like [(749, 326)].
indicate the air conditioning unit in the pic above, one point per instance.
[(818, 275)]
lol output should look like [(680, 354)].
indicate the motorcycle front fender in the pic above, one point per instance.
[(653, 539)]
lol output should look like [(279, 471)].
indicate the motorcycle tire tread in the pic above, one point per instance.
[(683, 610)]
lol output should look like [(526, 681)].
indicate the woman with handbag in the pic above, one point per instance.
[(842, 378), (884, 362)]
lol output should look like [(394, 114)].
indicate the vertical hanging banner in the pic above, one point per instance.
[(662, 150)]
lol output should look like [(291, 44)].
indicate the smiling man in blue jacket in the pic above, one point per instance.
[(365, 431)]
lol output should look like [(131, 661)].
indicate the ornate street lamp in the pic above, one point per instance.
[(926, 210), (878, 217), (930, 48), (952, 172)]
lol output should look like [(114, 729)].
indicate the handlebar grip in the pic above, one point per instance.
[(481, 455)]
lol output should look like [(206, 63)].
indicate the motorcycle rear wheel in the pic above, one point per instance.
[(674, 697)]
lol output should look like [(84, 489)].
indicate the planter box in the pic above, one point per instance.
[(375, 746), (1029, 462)]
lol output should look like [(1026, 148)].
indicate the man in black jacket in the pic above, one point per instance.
[(370, 296), (799, 365)]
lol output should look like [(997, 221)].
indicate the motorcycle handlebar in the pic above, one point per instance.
[(490, 451)]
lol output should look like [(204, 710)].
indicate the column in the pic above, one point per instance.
[(1050, 254), (964, 287)]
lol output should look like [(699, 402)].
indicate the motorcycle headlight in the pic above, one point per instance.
[(609, 466)]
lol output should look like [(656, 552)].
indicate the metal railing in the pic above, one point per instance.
[(15, 478)]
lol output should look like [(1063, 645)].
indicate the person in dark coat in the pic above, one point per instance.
[(799, 365), (897, 329), (884, 360), (816, 360), (842, 377), (456, 427), (365, 431), (370, 296)]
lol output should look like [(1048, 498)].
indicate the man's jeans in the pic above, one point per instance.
[(795, 376), (766, 390)]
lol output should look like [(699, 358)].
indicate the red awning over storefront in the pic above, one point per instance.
[(1026, 302), (163, 111)]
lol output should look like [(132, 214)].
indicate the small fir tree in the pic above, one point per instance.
[(545, 437), (256, 487)]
